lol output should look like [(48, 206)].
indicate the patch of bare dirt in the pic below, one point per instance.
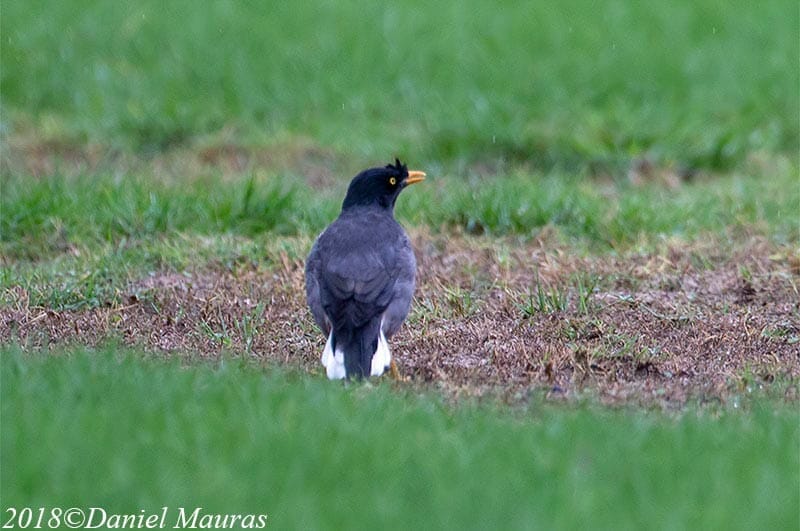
[(703, 323), (31, 155)]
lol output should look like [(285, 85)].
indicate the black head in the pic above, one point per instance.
[(380, 186)]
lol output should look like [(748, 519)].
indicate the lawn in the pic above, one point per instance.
[(129, 434), (605, 328), (703, 85)]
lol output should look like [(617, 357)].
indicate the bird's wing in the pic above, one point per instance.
[(403, 290), (357, 285), (312, 289)]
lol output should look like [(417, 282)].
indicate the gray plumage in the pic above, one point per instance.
[(360, 273)]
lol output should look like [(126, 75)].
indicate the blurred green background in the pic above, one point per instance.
[(616, 126), (591, 117), (568, 84)]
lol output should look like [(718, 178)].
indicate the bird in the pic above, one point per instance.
[(361, 274)]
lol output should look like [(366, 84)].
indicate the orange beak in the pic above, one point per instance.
[(414, 177)]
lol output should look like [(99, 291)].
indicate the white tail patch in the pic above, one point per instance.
[(382, 357), (333, 362)]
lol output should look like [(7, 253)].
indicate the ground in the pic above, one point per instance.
[(707, 321), (606, 328)]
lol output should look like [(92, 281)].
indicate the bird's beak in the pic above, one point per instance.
[(414, 177)]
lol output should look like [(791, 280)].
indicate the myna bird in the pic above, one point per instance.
[(360, 274)]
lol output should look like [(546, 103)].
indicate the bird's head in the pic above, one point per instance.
[(380, 186)]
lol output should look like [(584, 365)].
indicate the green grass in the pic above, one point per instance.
[(76, 242), (100, 276), (563, 84), (526, 118), (43, 216), (106, 428), (53, 212), (549, 95), (67, 258)]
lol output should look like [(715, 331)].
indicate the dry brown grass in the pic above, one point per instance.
[(703, 322), (29, 154)]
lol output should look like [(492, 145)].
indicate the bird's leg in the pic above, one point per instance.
[(395, 372)]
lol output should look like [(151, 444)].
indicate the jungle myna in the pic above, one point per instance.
[(360, 274)]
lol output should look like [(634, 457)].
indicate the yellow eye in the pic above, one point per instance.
[(392, 181)]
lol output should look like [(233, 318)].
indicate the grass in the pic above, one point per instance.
[(556, 85), (90, 277), (581, 95), (614, 129), (554, 299), (43, 216), (67, 257), (231, 437)]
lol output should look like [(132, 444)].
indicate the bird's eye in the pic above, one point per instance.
[(392, 181)]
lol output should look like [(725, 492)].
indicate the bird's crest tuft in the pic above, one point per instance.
[(398, 166)]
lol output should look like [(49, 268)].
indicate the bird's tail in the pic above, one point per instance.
[(356, 352)]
